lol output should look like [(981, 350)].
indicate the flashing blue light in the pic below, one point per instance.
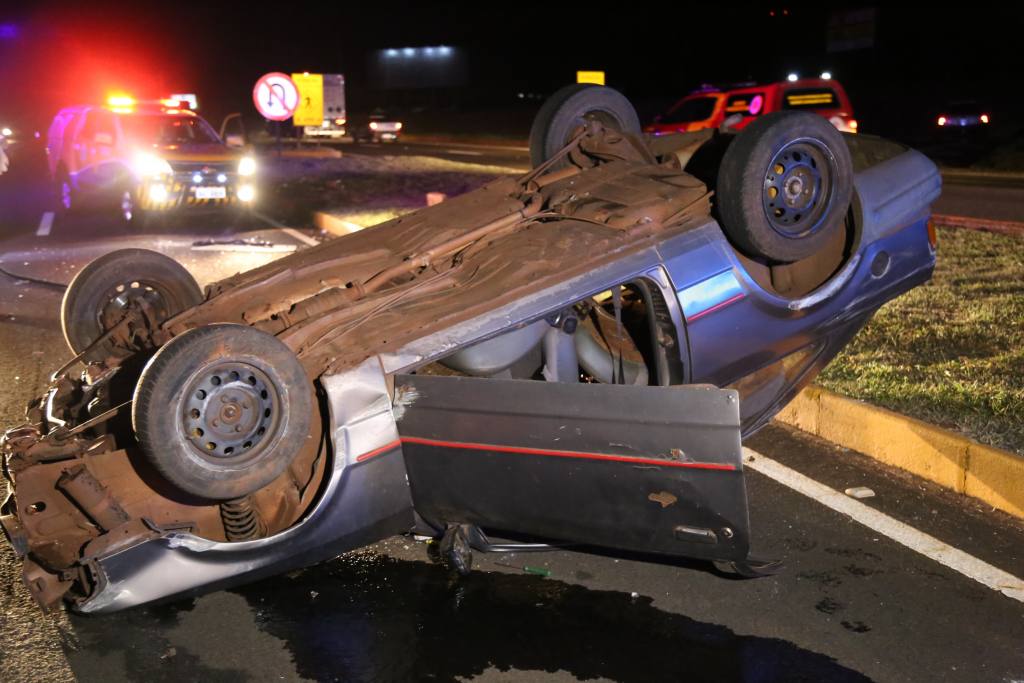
[(409, 51), (444, 50), (428, 51), (8, 31), (392, 52)]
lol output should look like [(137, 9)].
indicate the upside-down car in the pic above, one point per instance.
[(572, 355)]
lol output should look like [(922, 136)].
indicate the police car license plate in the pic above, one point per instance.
[(211, 193)]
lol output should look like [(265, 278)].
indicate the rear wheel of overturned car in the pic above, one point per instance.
[(569, 108), (784, 186), (221, 411), (103, 292)]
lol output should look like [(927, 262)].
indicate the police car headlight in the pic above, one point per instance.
[(150, 165), (246, 166)]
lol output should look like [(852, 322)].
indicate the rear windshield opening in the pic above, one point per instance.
[(624, 335)]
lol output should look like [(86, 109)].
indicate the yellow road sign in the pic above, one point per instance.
[(310, 111), (590, 77)]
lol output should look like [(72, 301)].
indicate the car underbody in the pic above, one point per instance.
[(406, 331)]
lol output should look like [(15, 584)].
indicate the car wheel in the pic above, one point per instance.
[(784, 186), (569, 108), (102, 292), (64, 192), (220, 411), (131, 213)]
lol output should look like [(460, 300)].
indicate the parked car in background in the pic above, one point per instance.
[(143, 160), (710, 107), (964, 116), (573, 354), (379, 126)]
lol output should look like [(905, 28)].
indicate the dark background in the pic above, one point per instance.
[(918, 58)]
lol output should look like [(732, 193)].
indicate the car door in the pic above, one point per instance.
[(98, 167), (637, 468)]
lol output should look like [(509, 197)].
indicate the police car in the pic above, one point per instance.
[(145, 159)]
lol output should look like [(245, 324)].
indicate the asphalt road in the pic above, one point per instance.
[(488, 155), (988, 197), (993, 197), (850, 604)]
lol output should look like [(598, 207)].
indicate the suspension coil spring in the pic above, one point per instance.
[(241, 520)]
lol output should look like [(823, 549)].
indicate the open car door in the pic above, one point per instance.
[(638, 468)]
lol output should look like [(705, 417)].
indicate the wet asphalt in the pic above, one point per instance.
[(849, 604)]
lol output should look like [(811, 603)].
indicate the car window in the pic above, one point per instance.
[(160, 129), (99, 127), (747, 103), (811, 98), (696, 109)]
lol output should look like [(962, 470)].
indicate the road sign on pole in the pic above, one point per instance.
[(310, 111), (276, 97)]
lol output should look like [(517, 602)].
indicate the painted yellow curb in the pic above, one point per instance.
[(334, 225), (939, 455)]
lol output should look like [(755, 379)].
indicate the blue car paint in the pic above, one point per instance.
[(727, 311)]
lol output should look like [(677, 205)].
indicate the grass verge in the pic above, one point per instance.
[(952, 351)]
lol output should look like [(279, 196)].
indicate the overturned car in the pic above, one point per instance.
[(572, 355)]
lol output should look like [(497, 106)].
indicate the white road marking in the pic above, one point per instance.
[(904, 534), (247, 248), (464, 152), (305, 239), (45, 224)]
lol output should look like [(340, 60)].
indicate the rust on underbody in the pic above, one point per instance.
[(83, 490)]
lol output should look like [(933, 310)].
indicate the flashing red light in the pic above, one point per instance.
[(984, 118), (852, 123), (942, 120)]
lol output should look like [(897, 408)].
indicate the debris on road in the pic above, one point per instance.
[(860, 492)]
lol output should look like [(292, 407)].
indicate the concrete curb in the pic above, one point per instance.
[(334, 225), (949, 459)]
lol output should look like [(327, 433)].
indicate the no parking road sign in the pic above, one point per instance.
[(276, 96)]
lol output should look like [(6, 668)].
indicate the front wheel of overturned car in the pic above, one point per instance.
[(220, 411), (103, 292), (784, 186), (564, 112)]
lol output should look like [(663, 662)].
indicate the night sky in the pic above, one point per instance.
[(54, 53)]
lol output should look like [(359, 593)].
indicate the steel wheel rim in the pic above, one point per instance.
[(123, 296), (230, 412), (798, 188)]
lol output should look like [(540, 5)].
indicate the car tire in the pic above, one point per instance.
[(64, 193), (131, 214), (221, 411), (784, 186), (566, 110), (95, 295)]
